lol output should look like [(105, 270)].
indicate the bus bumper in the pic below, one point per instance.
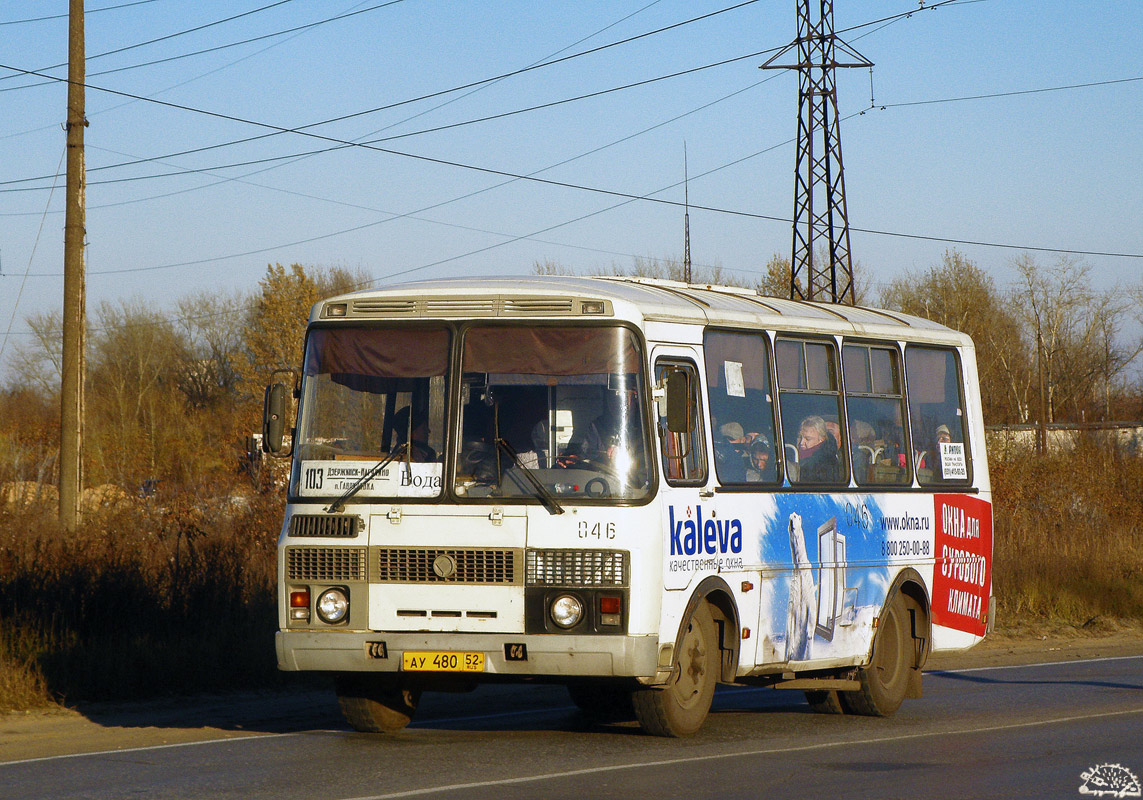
[(546, 655)]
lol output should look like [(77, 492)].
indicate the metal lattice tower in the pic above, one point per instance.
[(819, 187)]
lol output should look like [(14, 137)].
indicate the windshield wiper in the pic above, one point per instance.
[(339, 504), (540, 491)]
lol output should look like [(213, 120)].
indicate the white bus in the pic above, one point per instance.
[(636, 488)]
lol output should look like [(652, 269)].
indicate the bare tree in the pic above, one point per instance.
[(209, 373), (38, 363), (550, 266), (135, 418), (959, 294), (669, 268), (1077, 332)]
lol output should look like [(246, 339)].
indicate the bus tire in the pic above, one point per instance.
[(825, 701), (371, 704), (680, 707), (885, 682), (602, 701)]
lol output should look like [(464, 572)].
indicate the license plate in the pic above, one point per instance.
[(442, 662)]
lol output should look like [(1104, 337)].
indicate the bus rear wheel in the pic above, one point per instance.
[(681, 707), (885, 682), (372, 704)]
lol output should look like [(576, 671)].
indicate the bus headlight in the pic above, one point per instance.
[(333, 606), (567, 611)]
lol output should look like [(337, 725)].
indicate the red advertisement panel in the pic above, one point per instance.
[(962, 576)]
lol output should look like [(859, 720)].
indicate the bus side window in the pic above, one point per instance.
[(683, 452), (875, 405), (741, 407), (810, 402), (936, 415)]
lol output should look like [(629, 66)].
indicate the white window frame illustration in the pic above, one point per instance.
[(832, 591)]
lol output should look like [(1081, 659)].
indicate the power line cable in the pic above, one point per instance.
[(303, 156), (631, 198), (511, 240), (168, 36), (599, 190), (278, 131), (903, 15), (172, 86), (31, 257), (533, 235), (65, 16), (226, 179), (569, 185), (628, 198), (1015, 93), (357, 143), (168, 59)]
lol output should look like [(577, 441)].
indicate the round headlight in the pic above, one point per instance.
[(567, 611), (333, 606)]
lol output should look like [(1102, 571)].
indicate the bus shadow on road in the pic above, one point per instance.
[(268, 712), (507, 708), (983, 679)]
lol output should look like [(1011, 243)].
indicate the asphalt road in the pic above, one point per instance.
[(1004, 731)]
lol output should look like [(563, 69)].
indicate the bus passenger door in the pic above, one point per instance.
[(683, 463)]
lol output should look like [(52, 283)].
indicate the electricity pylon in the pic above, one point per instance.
[(818, 167)]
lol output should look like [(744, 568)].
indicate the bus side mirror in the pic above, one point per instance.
[(274, 419), (679, 412)]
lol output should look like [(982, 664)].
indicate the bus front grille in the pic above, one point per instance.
[(448, 565), (326, 564), (324, 525), (577, 568)]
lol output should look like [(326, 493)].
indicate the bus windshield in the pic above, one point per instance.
[(368, 394), (563, 405)]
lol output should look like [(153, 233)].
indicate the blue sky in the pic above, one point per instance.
[(1052, 169)]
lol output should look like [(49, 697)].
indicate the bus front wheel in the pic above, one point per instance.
[(680, 707), (371, 704), (885, 682)]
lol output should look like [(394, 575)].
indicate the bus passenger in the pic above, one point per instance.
[(728, 456), (817, 452), (761, 467), (943, 435)]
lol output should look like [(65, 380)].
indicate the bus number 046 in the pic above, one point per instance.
[(598, 530)]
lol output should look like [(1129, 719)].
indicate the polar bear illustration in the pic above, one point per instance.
[(800, 619)]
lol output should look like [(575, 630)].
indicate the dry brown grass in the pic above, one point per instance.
[(140, 601), (1069, 534)]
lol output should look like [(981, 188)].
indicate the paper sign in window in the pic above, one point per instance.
[(953, 463), (735, 385)]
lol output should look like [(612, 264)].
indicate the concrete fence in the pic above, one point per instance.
[(1061, 437)]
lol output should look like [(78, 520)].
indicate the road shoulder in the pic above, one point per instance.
[(58, 731)]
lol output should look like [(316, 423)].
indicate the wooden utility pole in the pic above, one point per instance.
[(74, 309), (1041, 429)]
